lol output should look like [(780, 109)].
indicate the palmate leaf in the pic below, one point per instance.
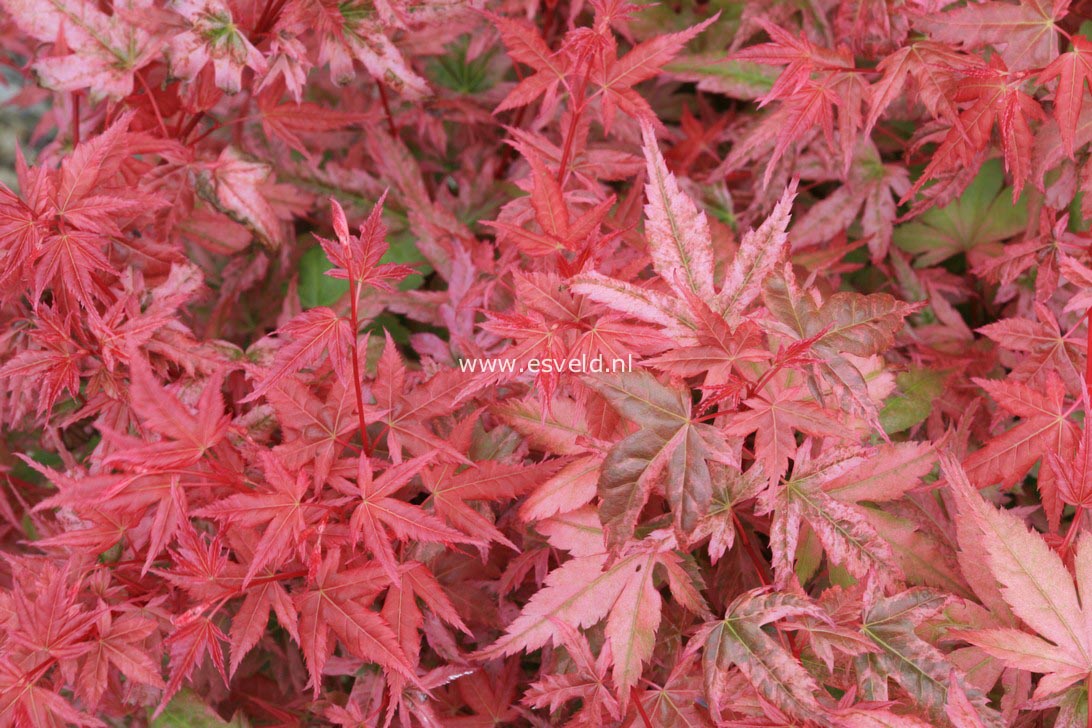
[(740, 641), (912, 401), (933, 68), (736, 79), (525, 45), (1074, 474), (917, 666), (377, 515), (337, 605), (996, 98), (730, 488), (640, 302), (488, 480), (1024, 31), (973, 224), (587, 589), (848, 537), (670, 448), (239, 187), (626, 480), (1044, 428), (402, 612), (315, 431), (850, 323), (186, 436), (211, 35), (357, 257), (1037, 587), (105, 51), (1044, 343), (353, 31), (34, 705), (587, 684), (775, 416), (841, 495), (642, 399), (279, 508), (306, 338), (640, 64), (826, 492), (572, 487), (882, 473), (250, 622), (406, 415), (118, 646), (195, 638), (923, 556), (681, 248), (1074, 72), (188, 710)]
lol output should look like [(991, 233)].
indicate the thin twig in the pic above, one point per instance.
[(155, 105), (640, 708), (356, 368), (387, 109), (75, 118)]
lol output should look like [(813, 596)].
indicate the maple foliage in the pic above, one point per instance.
[(278, 278)]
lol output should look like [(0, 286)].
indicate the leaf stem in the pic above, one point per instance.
[(1088, 349), (508, 151), (749, 547), (222, 125), (154, 103), (75, 118), (640, 708), (191, 125), (1074, 527), (270, 14), (548, 19), (357, 390), (577, 112), (387, 108)]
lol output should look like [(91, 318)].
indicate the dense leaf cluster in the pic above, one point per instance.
[(251, 245)]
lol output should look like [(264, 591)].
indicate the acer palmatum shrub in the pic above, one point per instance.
[(250, 246)]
